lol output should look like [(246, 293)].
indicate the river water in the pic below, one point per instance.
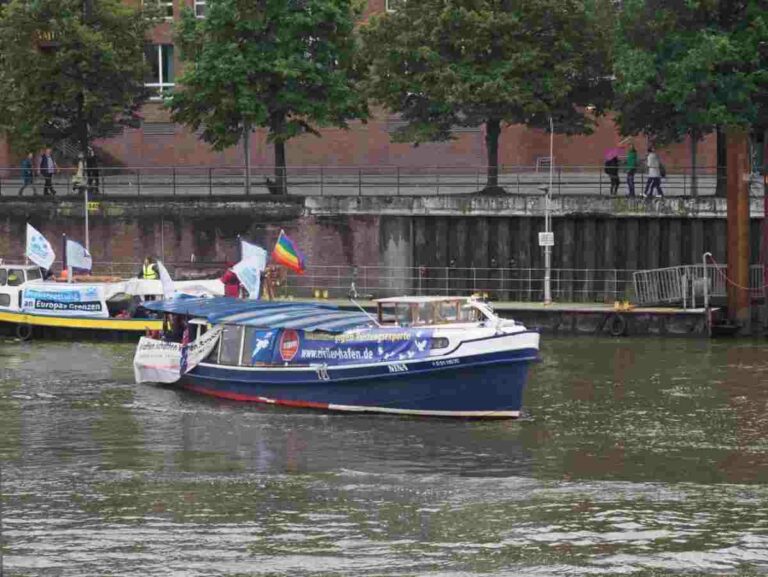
[(635, 457)]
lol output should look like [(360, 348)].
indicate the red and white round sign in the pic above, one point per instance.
[(289, 345)]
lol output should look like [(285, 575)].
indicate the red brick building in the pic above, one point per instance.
[(160, 142)]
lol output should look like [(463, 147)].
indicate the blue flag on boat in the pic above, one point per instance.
[(77, 256)]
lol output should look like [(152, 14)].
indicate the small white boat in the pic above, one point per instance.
[(30, 305)]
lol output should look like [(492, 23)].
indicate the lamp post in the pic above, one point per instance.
[(548, 240)]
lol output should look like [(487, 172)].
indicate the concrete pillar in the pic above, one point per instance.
[(459, 252), (522, 254), (651, 243), (696, 242), (675, 232), (396, 249), (479, 246), (608, 263), (567, 244), (421, 251), (502, 254), (632, 244), (589, 249), (738, 227), (721, 241), (441, 243)]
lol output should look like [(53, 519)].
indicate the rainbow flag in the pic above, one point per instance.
[(286, 254)]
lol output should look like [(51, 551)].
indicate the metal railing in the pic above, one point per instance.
[(361, 181), (503, 284), (688, 285)]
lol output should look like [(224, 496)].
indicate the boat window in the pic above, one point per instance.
[(387, 314), (34, 274), (229, 343), (15, 277), (448, 311), (5, 300), (3, 276), (403, 314), (424, 314), (468, 314), (438, 343)]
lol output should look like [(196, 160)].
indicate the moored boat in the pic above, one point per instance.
[(31, 306), (437, 356)]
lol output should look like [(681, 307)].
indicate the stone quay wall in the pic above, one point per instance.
[(386, 234)]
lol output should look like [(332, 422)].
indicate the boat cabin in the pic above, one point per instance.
[(431, 311), (12, 276)]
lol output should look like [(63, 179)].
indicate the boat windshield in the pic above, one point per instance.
[(407, 314), (15, 277)]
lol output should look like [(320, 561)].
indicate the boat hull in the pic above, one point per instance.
[(27, 325), (480, 386)]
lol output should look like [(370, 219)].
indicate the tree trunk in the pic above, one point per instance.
[(721, 170), (247, 154), (281, 182), (492, 132), (694, 177), (276, 129)]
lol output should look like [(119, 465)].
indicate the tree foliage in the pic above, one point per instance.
[(464, 63), (68, 74), (284, 65), (686, 67)]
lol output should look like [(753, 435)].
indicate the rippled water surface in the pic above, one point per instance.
[(636, 457)]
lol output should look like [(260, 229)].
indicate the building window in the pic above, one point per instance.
[(394, 5), (166, 9), (200, 8), (160, 79)]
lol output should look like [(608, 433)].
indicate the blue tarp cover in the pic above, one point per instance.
[(293, 315)]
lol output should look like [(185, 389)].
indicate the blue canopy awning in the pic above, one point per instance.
[(293, 315)]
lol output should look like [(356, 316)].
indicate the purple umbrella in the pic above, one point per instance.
[(614, 152)]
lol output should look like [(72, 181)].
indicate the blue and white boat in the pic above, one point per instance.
[(436, 356)]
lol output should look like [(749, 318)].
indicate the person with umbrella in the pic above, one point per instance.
[(612, 168)]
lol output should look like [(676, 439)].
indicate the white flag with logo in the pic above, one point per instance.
[(39, 250), (77, 256), (248, 250), (168, 290), (250, 268)]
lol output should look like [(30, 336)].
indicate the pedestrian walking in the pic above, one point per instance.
[(631, 165), (27, 174), (654, 174), (47, 170), (612, 170)]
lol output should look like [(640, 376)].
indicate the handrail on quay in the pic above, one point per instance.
[(127, 181), (496, 283)]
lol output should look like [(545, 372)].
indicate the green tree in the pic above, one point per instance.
[(689, 67), (284, 65), (464, 63), (70, 69)]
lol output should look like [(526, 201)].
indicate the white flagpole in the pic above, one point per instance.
[(85, 199)]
